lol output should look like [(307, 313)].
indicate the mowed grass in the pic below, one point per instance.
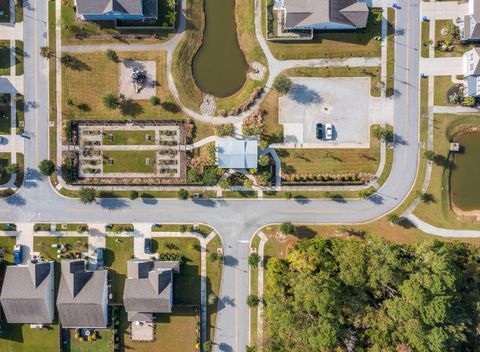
[(4, 57), (118, 251), (459, 48), (272, 130), (336, 161), (442, 85), (129, 161), (22, 338), (214, 278), (5, 113), (390, 51), (43, 244), (425, 39), (103, 343), (372, 72), (19, 56), (358, 43), (174, 332), (186, 286), (129, 137), (4, 162), (98, 75), (438, 212)]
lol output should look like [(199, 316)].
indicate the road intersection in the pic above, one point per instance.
[(235, 220)]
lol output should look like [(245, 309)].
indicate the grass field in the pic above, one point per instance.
[(272, 130), (4, 57), (359, 43), (20, 112), (174, 332), (19, 56), (254, 291), (336, 161), (390, 51), (186, 286), (7, 243), (203, 230), (239, 194), (129, 161), (21, 338), (459, 48), (118, 251), (43, 244), (4, 162), (425, 39), (442, 85), (438, 212), (129, 137), (95, 75), (103, 343), (372, 72), (5, 113), (214, 276)]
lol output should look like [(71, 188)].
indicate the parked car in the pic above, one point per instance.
[(148, 246), (100, 256), (17, 254), (328, 131), (319, 131)]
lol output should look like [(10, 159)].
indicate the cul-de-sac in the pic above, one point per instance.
[(239, 175)]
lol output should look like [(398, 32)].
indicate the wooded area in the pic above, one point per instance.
[(372, 295)]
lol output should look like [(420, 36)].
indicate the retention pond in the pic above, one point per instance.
[(219, 67), (465, 177)]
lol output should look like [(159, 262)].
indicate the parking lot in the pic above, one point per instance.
[(343, 102)]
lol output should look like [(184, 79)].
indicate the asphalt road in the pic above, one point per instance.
[(235, 220)]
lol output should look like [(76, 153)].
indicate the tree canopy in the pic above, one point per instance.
[(372, 295)]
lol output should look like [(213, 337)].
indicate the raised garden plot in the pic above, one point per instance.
[(113, 137), (129, 161)]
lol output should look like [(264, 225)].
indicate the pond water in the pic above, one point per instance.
[(465, 177), (219, 67)]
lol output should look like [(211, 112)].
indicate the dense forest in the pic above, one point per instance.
[(372, 295)]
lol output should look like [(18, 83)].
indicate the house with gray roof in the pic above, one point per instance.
[(324, 14), (108, 10), (237, 153), (27, 293), (149, 288), (470, 25), (82, 300), (471, 72)]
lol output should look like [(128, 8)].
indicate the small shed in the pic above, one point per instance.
[(237, 154)]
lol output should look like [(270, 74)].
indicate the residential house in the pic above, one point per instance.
[(237, 154), (27, 293), (82, 300), (470, 25), (471, 72), (108, 10), (324, 14), (149, 288)]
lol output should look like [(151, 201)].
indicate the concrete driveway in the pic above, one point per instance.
[(343, 102)]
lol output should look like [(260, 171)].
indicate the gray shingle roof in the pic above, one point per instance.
[(80, 301), (307, 13), (27, 293), (148, 288), (134, 7)]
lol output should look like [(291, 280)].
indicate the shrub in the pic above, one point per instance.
[(253, 259), (87, 195), (182, 194), (282, 84), (155, 100), (263, 144), (12, 169), (469, 101), (194, 246), (287, 228), (393, 218), (263, 160), (46, 167), (207, 346), (253, 301), (226, 129), (365, 193), (133, 195), (112, 55), (110, 101), (212, 257), (288, 195), (429, 154), (212, 298), (82, 228)]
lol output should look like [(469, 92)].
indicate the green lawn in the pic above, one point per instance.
[(20, 112), (214, 276), (425, 39), (203, 230), (19, 56), (4, 57), (186, 286), (459, 47), (438, 213), (175, 332), (69, 227), (18, 11), (129, 161), (5, 113), (118, 251), (129, 137), (239, 194), (21, 338), (442, 85), (103, 343), (390, 51), (254, 291), (43, 244), (7, 243), (358, 43), (4, 162), (335, 161)]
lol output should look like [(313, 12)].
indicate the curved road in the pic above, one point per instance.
[(235, 220)]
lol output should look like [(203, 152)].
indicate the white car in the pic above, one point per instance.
[(328, 131)]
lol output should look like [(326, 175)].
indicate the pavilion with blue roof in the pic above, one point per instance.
[(237, 154)]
